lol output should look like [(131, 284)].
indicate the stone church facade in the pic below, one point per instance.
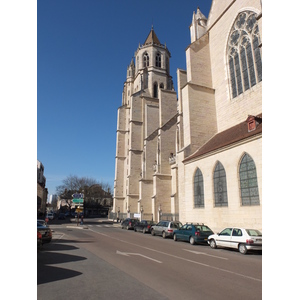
[(195, 155)]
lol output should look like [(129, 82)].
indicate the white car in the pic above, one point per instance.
[(50, 216), (238, 238)]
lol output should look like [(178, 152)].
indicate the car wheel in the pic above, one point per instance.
[(213, 244), (242, 248), (152, 232), (144, 230), (175, 237), (163, 234), (192, 240), (135, 229)]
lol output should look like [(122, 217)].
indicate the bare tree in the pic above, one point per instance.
[(73, 184)]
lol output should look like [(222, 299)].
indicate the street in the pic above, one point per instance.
[(99, 260)]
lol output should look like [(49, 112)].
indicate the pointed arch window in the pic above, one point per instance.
[(146, 60), (248, 181), (158, 60), (244, 56), (155, 90), (220, 186), (198, 189)]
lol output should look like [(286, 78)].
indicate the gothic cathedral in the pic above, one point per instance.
[(195, 155)]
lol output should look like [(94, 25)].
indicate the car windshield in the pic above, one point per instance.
[(176, 225), (202, 228), (253, 232)]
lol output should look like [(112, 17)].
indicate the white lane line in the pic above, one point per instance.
[(138, 254), (181, 258), (78, 227), (202, 253)]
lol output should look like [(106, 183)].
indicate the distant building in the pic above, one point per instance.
[(42, 191), (197, 158)]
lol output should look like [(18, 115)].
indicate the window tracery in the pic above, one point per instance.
[(198, 189), (146, 60), (220, 186), (158, 60), (244, 57), (248, 181)]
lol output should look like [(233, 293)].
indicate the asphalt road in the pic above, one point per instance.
[(102, 261)]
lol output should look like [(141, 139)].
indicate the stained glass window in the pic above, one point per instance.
[(220, 186), (198, 189), (244, 56), (248, 181)]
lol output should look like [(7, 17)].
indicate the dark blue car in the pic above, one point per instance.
[(193, 233)]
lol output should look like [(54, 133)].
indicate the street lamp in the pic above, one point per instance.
[(142, 209), (118, 214), (128, 212), (159, 212)]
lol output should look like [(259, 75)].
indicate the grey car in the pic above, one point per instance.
[(165, 228)]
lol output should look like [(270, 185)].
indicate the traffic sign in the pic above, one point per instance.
[(77, 200), (78, 195)]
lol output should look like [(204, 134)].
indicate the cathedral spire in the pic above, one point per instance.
[(152, 38), (198, 26)]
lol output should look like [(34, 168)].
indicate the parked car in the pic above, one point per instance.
[(165, 228), (238, 238), (39, 240), (45, 232), (193, 233), (144, 226), (129, 223), (61, 216), (43, 222), (50, 216)]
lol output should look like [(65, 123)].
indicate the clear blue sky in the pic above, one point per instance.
[(83, 50)]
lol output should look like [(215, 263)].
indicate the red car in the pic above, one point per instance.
[(45, 232)]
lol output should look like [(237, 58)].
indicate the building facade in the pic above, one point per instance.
[(199, 157), (42, 191)]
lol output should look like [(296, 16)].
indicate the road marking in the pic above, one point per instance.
[(181, 258), (197, 252), (78, 227), (138, 254), (74, 227)]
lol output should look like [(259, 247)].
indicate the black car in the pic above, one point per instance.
[(45, 232), (61, 216), (144, 226), (129, 223)]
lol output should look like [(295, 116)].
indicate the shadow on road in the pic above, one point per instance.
[(47, 258), (50, 274)]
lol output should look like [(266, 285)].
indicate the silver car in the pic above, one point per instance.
[(165, 228)]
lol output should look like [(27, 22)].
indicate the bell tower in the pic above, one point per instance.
[(146, 125), (152, 69)]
